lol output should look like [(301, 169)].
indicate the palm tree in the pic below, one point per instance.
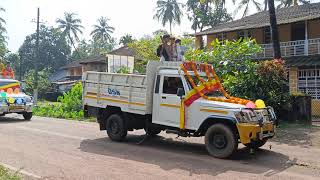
[(246, 5), (168, 11), (126, 39), (70, 27), (287, 3), (102, 32)]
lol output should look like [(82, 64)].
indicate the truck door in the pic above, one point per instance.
[(166, 107)]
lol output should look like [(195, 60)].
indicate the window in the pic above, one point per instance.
[(309, 82), (244, 34), (266, 35), (221, 37), (171, 85), (156, 91)]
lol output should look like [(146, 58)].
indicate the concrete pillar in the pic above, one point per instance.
[(293, 79)]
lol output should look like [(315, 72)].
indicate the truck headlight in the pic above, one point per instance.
[(29, 99)]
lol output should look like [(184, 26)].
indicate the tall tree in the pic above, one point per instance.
[(274, 30), (54, 50), (70, 26), (126, 39), (102, 31), (168, 11), (206, 14)]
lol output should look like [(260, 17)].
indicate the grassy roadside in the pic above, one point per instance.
[(5, 174)]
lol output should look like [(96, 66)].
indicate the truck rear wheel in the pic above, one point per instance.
[(256, 144), (116, 128), (220, 141), (27, 115)]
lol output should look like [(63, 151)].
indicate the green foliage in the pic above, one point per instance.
[(206, 13), (123, 70), (145, 48), (243, 77), (72, 100), (70, 106), (160, 32), (6, 175), (43, 82), (53, 49), (126, 39), (227, 57)]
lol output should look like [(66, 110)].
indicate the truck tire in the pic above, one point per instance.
[(220, 141), (256, 144), (116, 129), (27, 115)]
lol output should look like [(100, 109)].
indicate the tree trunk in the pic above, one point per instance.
[(170, 28), (265, 5), (295, 2), (274, 30), (75, 49)]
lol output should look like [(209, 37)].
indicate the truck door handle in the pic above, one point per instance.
[(163, 97)]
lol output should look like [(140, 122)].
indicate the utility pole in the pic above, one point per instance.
[(37, 60)]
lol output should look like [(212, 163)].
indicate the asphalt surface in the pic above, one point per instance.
[(46, 148)]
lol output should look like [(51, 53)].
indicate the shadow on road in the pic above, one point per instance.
[(169, 154), (298, 135), (13, 119)]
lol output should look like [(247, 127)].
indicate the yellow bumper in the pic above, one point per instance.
[(248, 132)]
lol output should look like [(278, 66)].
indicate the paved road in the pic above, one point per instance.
[(59, 149)]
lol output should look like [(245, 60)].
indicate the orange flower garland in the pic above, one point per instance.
[(210, 85)]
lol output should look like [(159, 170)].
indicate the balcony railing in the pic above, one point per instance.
[(292, 48)]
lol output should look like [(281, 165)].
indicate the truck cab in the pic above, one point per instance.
[(169, 98)]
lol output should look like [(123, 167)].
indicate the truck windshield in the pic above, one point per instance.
[(216, 93)]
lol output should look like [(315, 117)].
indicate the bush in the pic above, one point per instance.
[(69, 106), (6, 175)]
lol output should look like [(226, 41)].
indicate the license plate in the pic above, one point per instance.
[(16, 107)]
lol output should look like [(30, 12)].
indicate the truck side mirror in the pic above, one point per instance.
[(180, 92)]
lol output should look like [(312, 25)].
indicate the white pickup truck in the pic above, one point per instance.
[(157, 102)]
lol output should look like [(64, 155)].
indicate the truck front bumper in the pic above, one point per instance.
[(251, 132), (12, 108)]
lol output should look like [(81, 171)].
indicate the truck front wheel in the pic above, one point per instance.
[(116, 128), (27, 115), (220, 141)]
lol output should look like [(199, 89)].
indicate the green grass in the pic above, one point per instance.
[(5, 174)]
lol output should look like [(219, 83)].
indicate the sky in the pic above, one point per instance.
[(133, 17)]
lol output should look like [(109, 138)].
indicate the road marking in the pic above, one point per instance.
[(51, 133), (20, 171)]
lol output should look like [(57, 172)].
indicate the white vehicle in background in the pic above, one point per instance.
[(13, 100), (155, 102)]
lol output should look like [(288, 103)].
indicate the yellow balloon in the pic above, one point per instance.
[(11, 100), (260, 103)]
